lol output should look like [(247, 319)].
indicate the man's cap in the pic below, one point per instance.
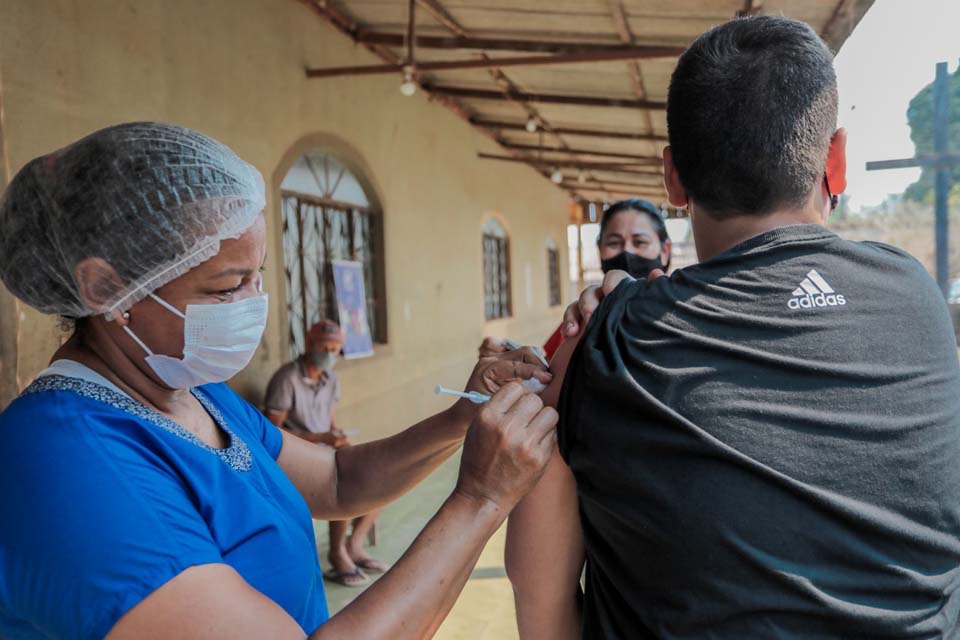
[(326, 331)]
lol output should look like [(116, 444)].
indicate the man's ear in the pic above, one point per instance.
[(837, 162), (676, 193), (97, 282)]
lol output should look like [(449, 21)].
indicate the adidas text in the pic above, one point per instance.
[(819, 300)]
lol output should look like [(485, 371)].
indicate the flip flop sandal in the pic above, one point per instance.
[(355, 578), (372, 565)]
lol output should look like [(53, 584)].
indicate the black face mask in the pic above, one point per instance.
[(635, 265)]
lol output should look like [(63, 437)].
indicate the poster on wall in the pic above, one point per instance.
[(352, 305)]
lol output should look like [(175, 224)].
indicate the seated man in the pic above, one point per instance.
[(766, 444), (302, 398)]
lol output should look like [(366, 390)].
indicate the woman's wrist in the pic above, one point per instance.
[(482, 510), (460, 414)]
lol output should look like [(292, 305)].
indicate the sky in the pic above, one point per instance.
[(890, 56)]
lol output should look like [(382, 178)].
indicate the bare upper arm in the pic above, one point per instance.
[(544, 553), (312, 468), (206, 602), (544, 539), (544, 529)]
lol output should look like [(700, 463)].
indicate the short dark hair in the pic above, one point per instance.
[(751, 109), (640, 206)]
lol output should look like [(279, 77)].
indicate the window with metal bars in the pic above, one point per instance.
[(496, 271), (318, 229), (553, 273)]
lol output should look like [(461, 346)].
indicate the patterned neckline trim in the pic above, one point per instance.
[(237, 455)]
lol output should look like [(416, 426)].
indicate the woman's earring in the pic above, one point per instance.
[(126, 315)]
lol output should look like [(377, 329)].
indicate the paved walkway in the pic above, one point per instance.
[(485, 608)]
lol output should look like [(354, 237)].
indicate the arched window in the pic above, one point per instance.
[(496, 270), (327, 216), (553, 272)]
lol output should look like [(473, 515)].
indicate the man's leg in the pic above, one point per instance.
[(361, 527), (344, 569)]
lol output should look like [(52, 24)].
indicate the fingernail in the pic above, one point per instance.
[(569, 328)]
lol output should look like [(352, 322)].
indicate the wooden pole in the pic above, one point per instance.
[(941, 119)]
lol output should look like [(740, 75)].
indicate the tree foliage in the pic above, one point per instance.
[(920, 119)]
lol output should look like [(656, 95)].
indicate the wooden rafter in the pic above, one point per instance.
[(653, 160), (500, 44), (573, 131), (622, 23), (626, 165), (841, 22), (750, 8), (346, 25), (548, 98), (625, 53), (655, 194), (640, 186), (441, 15)]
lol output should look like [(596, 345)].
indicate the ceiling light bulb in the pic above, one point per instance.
[(557, 176), (531, 125), (409, 87)]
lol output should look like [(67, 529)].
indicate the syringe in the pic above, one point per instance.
[(473, 396)]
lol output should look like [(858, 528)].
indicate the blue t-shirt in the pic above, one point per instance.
[(103, 500)]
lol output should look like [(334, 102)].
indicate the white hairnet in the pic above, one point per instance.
[(151, 200)]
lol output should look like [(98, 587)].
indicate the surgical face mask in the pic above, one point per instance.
[(637, 266), (325, 360), (218, 342)]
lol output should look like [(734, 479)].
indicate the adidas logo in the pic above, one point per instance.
[(815, 292)]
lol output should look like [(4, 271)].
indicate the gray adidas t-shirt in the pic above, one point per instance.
[(767, 445)]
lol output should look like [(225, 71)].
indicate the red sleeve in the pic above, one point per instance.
[(553, 343)]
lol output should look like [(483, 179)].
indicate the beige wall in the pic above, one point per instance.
[(234, 69)]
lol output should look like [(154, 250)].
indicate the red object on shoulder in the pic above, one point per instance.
[(553, 343)]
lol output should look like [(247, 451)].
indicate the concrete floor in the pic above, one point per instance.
[(484, 610)]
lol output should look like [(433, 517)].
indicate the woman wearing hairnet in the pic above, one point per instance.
[(139, 496)]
